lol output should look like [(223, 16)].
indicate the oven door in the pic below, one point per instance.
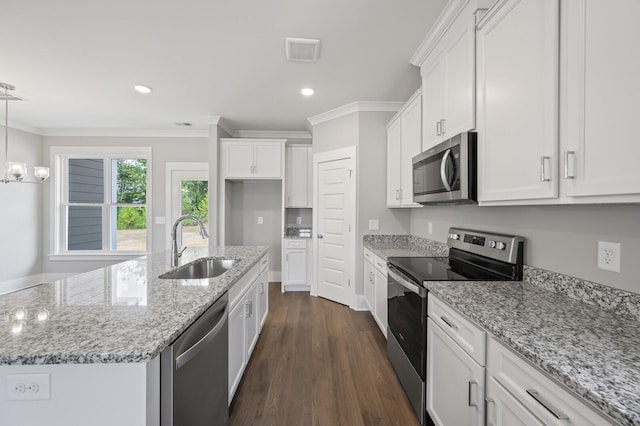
[(407, 304)]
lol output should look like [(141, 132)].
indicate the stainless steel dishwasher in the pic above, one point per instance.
[(194, 372)]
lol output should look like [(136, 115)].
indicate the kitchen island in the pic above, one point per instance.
[(98, 336)]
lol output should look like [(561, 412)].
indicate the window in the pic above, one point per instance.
[(101, 200)]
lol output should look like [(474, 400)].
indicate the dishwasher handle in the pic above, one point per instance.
[(189, 354)]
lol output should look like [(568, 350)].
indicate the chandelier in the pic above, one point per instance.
[(15, 171)]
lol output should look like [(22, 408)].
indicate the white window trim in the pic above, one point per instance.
[(56, 186)]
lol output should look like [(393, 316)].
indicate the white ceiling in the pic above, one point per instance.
[(77, 60)]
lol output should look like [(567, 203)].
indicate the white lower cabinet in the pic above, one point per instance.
[(297, 265), (381, 285), (519, 390), (247, 312), (455, 382), (375, 288), (369, 285)]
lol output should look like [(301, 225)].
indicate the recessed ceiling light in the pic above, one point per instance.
[(142, 88), (307, 91)]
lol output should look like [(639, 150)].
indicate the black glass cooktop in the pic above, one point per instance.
[(441, 269)]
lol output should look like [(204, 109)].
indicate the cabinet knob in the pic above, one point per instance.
[(320, 236)]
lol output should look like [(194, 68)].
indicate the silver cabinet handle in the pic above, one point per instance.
[(397, 194), (543, 169), (320, 236), (247, 309), (472, 394), (286, 257), (443, 170), (400, 197), (442, 126), (448, 322), (491, 413), (438, 128), (547, 405), (567, 173)]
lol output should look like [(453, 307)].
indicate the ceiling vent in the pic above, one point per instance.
[(302, 49), (183, 124)]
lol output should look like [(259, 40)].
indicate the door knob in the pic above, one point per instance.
[(320, 236)]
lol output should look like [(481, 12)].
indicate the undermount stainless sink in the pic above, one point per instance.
[(207, 267)]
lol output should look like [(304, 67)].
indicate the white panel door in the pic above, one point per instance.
[(252, 321), (394, 148), (238, 159), (334, 228), (432, 98), (237, 347), (455, 382), (298, 176), (369, 286), (517, 123), (411, 146), (262, 290), (603, 88), (380, 299), (267, 160), (295, 267)]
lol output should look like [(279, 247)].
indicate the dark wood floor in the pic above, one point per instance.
[(319, 363)]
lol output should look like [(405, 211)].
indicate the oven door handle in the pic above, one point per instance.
[(443, 170), (420, 291)]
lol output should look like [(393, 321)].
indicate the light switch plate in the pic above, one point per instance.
[(374, 224), (260, 220), (29, 387)]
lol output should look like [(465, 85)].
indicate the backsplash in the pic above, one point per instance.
[(618, 301)]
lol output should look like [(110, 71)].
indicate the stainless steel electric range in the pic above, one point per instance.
[(473, 256)]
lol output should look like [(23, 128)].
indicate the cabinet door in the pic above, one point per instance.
[(455, 382), (380, 297), (603, 88), (504, 410), (298, 176), (394, 147), (238, 159), (295, 266), (262, 290), (237, 347), (432, 98), (369, 286), (411, 146), (267, 160), (518, 101), (252, 320), (460, 73)]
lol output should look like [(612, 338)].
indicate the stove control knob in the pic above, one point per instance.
[(492, 244), (500, 245), (455, 236)]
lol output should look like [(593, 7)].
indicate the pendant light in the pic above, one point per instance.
[(15, 171)]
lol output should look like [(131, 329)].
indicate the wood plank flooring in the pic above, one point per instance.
[(319, 363)]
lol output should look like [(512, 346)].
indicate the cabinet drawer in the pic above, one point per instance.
[(368, 255), (380, 264), (295, 243), (550, 402), (465, 333)]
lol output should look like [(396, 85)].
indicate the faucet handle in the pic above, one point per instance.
[(182, 251)]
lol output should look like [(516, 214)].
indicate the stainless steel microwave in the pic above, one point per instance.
[(446, 173)]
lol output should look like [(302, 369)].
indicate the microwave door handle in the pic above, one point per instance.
[(443, 170)]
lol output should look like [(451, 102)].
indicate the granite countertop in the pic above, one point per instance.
[(118, 314), (591, 351)]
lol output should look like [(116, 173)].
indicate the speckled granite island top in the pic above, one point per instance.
[(591, 351), (118, 314)]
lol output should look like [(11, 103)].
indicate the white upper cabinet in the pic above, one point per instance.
[(299, 176), (448, 76), (403, 143), (600, 153), (252, 158), (518, 47)]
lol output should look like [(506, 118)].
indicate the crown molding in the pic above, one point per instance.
[(218, 120), (272, 134), (359, 106), (136, 133), (24, 127)]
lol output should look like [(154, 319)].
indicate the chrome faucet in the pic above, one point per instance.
[(175, 254)]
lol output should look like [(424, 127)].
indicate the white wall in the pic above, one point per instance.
[(559, 238), (21, 210), (164, 149), (248, 200)]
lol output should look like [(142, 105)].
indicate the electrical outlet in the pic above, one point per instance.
[(609, 256), (374, 225), (28, 387), (430, 228), (298, 220), (260, 220)]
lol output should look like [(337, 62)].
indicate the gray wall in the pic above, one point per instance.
[(248, 200), (164, 149), (559, 238), (366, 130), (21, 210)]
